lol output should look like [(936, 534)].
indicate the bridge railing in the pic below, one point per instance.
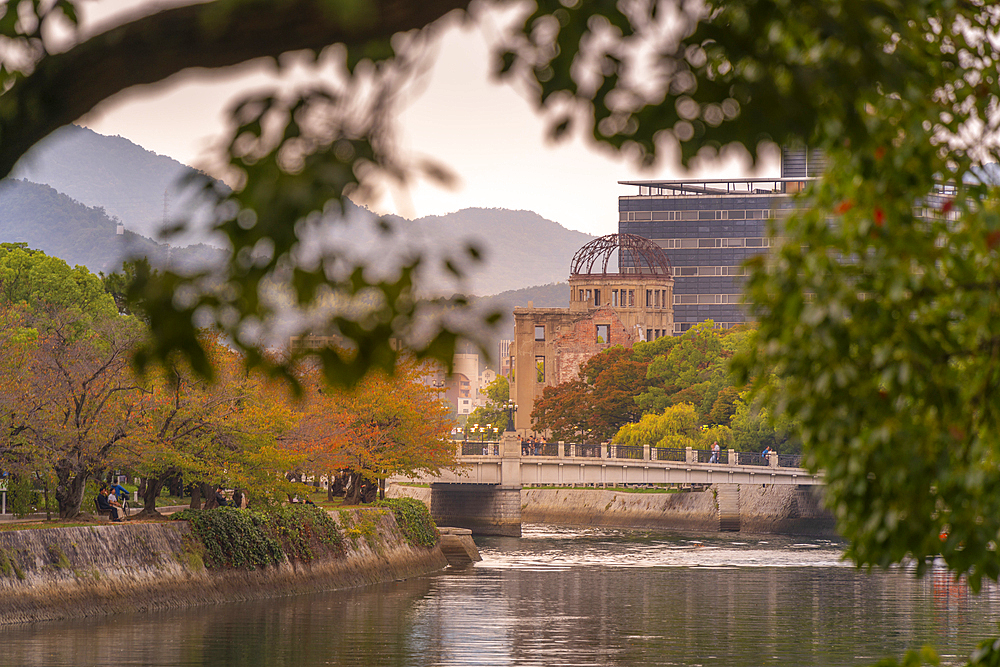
[(751, 459), (480, 449), (667, 454), (705, 456), (634, 452), (591, 451), (789, 460)]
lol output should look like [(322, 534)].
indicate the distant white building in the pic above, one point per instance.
[(485, 379)]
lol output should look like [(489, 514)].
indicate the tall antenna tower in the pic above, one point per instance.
[(166, 207)]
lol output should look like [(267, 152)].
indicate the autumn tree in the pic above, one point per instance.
[(385, 426), (595, 406), (77, 396), (207, 433)]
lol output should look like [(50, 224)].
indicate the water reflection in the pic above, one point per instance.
[(561, 597)]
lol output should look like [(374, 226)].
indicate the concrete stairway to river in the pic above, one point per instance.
[(729, 507)]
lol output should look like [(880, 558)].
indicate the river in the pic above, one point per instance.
[(562, 596)]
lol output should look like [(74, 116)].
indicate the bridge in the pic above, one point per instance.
[(483, 491)]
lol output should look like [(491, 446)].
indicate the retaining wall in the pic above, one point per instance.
[(783, 509), (57, 573)]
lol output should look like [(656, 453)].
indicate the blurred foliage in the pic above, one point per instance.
[(877, 324)]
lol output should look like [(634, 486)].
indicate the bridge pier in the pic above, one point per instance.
[(482, 508), (485, 509)]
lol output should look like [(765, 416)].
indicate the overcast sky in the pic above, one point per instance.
[(485, 132)]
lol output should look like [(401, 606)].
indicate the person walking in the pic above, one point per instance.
[(715, 452)]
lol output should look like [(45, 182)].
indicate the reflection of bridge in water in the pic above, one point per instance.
[(483, 491)]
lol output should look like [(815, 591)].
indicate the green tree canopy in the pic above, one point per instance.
[(494, 412), (693, 369)]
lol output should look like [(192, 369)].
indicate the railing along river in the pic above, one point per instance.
[(637, 453)]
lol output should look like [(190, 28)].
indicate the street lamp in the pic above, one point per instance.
[(511, 408)]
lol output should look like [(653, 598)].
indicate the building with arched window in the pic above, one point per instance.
[(621, 292)]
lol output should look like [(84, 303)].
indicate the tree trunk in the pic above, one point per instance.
[(340, 484), (369, 492), (352, 494), (69, 490), (381, 489), (176, 484), (329, 487), (45, 492), (150, 492), (208, 491), (195, 496)]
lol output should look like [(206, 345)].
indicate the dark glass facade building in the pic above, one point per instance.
[(707, 228)]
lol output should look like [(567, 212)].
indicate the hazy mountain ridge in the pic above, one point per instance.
[(518, 248), (60, 226), (137, 186), (110, 177)]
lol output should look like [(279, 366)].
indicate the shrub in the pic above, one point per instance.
[(414, 520), (249, 539)]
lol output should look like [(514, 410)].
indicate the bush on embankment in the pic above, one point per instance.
[(248, 539), (414, 519)]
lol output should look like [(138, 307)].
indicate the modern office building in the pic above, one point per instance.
[(708, 228)]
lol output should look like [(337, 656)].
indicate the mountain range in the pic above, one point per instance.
[(71, 190)]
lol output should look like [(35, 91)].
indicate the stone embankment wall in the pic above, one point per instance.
[(774, 508), (57, 573)]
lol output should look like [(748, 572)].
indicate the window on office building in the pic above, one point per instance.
[(603, 333), (540, 369), (649, 298), (631, 298), (649, 334), (539, 332), (597, 297)]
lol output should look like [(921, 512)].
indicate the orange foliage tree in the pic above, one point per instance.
[(385, 426), (222, 432)]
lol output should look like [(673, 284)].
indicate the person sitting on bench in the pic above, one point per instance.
[(103, 506), (117, 512)]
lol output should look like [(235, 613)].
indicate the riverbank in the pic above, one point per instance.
[(60, 573), (767, 509)]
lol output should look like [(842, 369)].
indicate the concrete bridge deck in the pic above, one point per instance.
[(482, 492), (557, 464)]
